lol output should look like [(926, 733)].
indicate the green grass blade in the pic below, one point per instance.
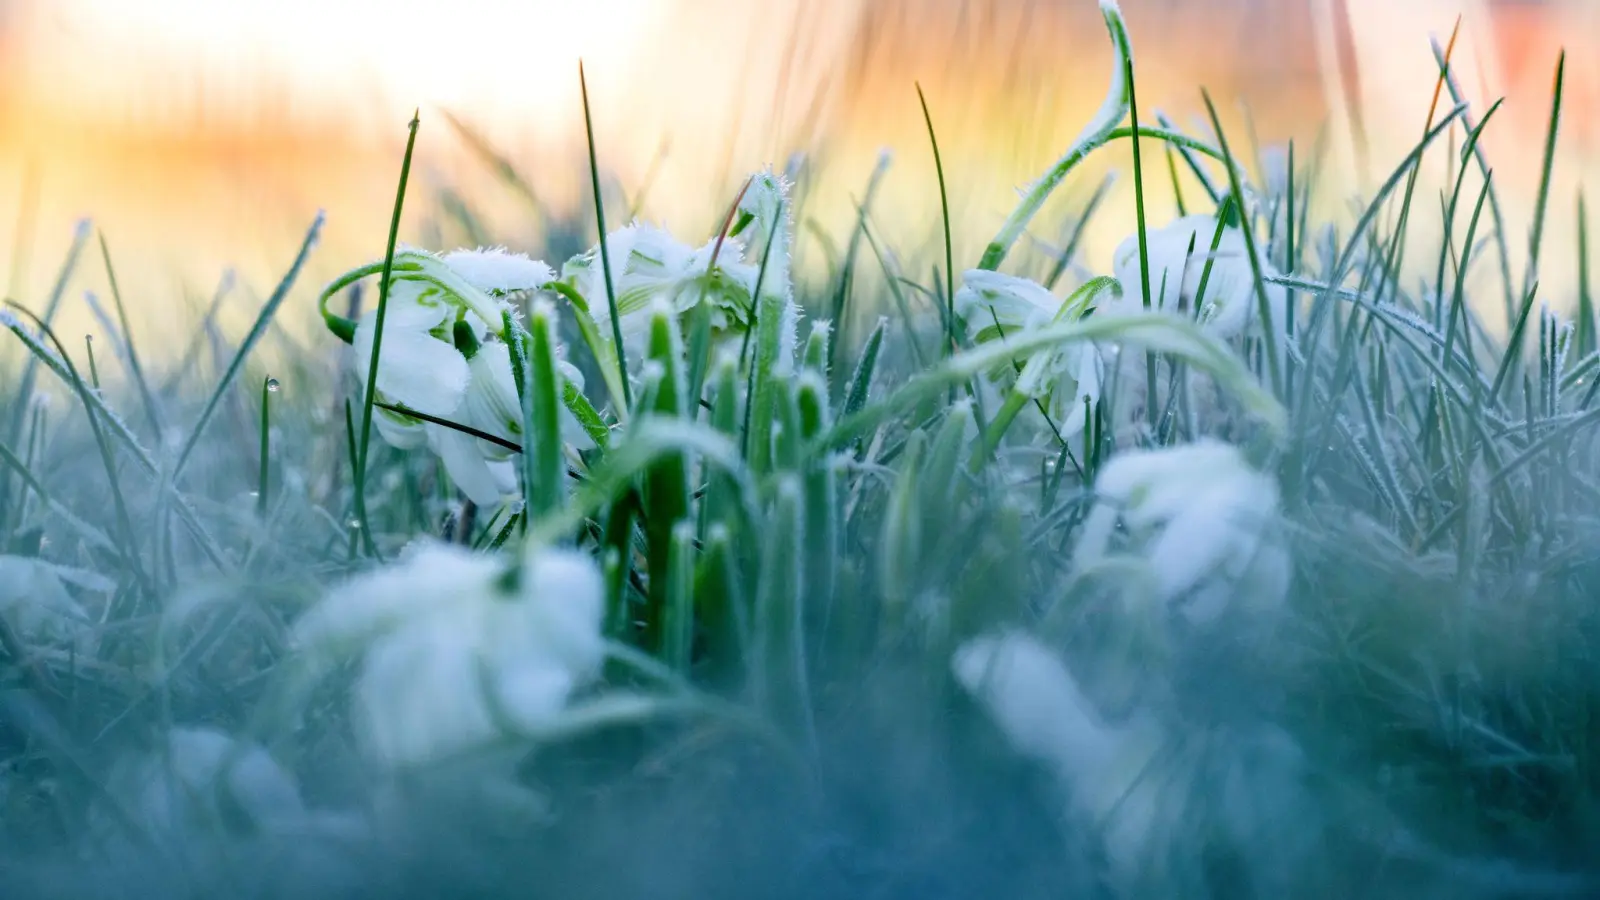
[(1097, 132), (605, 253), (263, 321), (152, 412), (364, 438), (944, 211)]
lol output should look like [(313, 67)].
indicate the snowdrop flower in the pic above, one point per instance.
[(992, 303), (1230, 305), (202, 779), (420, 367), (1038, 705), (1160, 799), (994, 306), (493, 405), (458, 645), (35, 599), (647, 264), (1201, 518), (498, 271)]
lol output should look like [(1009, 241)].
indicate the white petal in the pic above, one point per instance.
[(429, 575), (986, 297), (499, 270), (532, 692), (416, 369), (492, 404), (420, 697), (567, 597), (464, 458), (1035, 701)]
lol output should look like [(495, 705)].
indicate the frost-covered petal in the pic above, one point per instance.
[(565, 594), (415, 369), (498, 270), (492, 403)]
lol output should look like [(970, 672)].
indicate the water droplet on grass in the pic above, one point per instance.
[(272, 385)]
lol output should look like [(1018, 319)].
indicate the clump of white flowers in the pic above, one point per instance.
[(444, 355), (458, 648), (1202, 522)]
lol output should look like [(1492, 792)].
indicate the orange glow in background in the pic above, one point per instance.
[(202, 136)]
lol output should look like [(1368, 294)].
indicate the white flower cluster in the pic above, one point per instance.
[(442, 356)]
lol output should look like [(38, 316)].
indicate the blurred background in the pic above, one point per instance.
[(202, 136)]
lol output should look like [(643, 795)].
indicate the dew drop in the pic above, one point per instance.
[(353, 524), (272, 385)]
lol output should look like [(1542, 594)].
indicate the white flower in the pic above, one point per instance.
[(1230, 304), (1201, 518), (995, 306), (419, 365), (1146, 787), (34, 599), (202, 779), (1037, 704), (1080, 378), (649, 264), (499, 271), (460, 645), (990, 303), (493, 405)]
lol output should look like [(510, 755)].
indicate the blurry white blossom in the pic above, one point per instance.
[(457, 647), (1202, 520), (1177, 261), (992, 303), (1038, 705), (36, 602), (1162, 798), (200, 780)]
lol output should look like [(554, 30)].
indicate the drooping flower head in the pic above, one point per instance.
[(1178, 255), (1201, 519), (994, 306), (457, 646), (441, 356)]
